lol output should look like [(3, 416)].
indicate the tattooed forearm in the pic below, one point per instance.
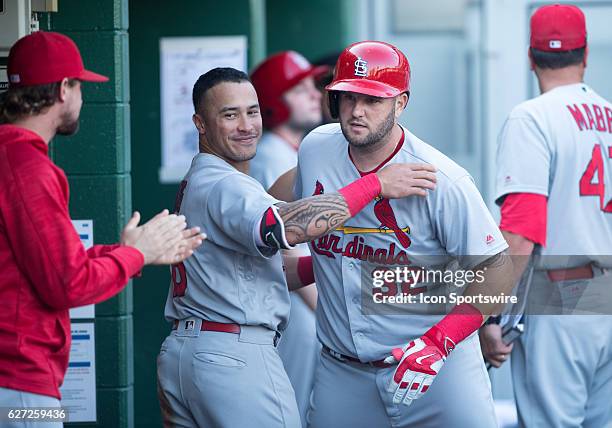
[(497, 272), (312, 217), (495, 261)]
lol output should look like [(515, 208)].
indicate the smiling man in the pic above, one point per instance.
[(228, 305)]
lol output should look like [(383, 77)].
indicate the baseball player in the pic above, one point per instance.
[(45, 269), (358, 383), (552, 183), (291, 106), (228, 304)]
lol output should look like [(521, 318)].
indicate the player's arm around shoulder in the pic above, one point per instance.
[(309, 218)]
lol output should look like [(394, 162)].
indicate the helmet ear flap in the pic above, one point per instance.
[(333, 100)]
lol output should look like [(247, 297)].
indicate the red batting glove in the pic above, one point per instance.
[(421, 360), (419, 363)]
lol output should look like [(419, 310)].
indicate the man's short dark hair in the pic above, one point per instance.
[(212, 78), (556, 60), (20, 101)]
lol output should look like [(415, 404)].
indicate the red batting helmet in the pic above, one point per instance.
[(275, 76), (371, 68)]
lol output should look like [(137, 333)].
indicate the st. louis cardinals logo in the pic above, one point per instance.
[(318, 189), (361, 67), (384, 213), (388, 223), (357, 248)]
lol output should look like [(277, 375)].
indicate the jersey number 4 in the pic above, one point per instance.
[(587, 187)]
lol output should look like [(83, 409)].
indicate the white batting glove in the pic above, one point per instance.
[(421, 360), (419, 363)]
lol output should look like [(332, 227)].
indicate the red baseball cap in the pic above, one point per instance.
[(275, 76), (557, 28), (46, 57)]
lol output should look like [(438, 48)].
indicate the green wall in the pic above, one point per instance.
[(314, 28)]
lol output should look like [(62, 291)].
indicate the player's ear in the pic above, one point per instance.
[(63, 89), (400, 103), (199, 123), (586, 54), (531, 63)]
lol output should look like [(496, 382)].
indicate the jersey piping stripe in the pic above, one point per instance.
[(380, 165)]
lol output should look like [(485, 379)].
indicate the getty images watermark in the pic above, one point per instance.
[(412, 282), (407, 285), (433, 285)]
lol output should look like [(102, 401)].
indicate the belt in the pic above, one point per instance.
[(580, 272), (223, 328), (379, 364), (212, 326)]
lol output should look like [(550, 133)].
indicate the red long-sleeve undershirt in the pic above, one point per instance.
[(44, 266)]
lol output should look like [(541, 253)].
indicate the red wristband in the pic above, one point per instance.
[(360, 192), (462, 321), (305, 271)]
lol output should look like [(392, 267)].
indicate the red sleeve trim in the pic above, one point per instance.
[(525, 214), (383, 163)]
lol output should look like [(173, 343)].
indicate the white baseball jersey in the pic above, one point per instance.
[(274, 157), (452, 222), (229, 278), (560, 145)]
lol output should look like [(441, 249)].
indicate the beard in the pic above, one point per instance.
[(373, 137), (242, 156), (69, 126)]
